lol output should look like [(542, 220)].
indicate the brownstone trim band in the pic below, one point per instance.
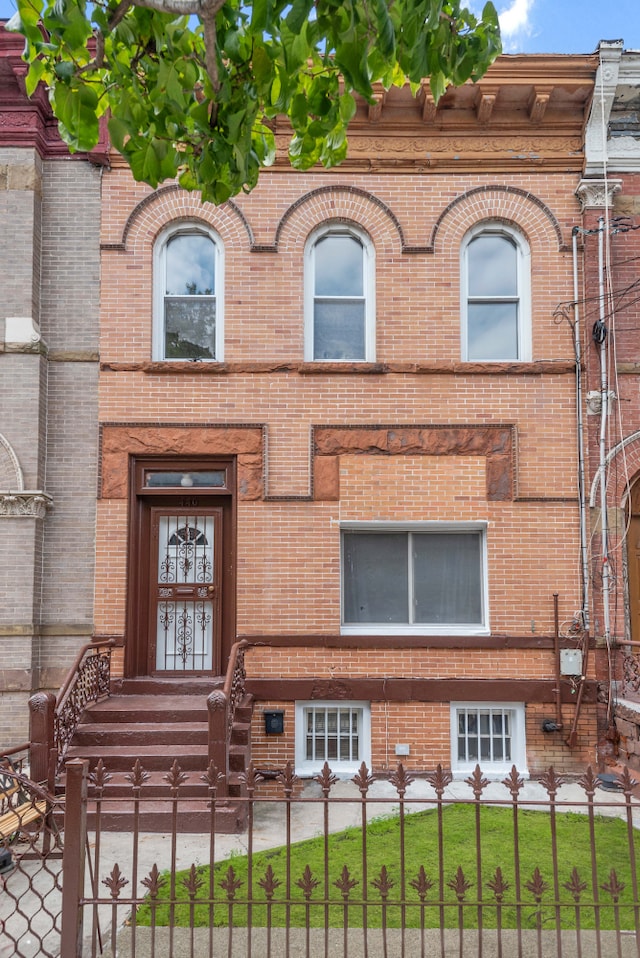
[(396, 642), (118, 441), (537, 368), (497, 443), (415, 690)]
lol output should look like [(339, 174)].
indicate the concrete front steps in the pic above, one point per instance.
[(158, 722)]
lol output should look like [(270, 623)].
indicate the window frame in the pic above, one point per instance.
[(423, 527), (305, 767), (496, 769), (161, 244), (368, 286), (523, 297)]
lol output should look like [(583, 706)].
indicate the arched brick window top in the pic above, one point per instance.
[(339, 295), (188, 274), (171, 203), (496, 294), (508, 204), (339, 203)]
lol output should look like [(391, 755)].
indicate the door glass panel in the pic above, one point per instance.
[(184, 637), (185, 552), (155, 479), (186, 589)]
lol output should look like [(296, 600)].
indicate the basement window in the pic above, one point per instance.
[(491, 735), (335, 732)]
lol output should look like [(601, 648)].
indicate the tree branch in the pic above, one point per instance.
[(188, 8), (119, 13), (206, 10)]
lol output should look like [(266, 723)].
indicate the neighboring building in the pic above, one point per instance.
[(338, 419), (50, 218), (610, 308), (335, 417)]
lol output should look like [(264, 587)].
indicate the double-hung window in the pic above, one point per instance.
[(339, 296), (188, 295), (428, 578), (496, 309)]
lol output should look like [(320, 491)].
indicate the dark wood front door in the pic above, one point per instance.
[(184, 598), (181, 590)]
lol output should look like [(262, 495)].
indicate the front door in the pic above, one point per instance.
[(185, 590), (181, 588)]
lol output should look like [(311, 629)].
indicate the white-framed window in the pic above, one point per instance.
[(428, 577), (496, 295), (339, 295), (188, 294), (488, 734), (335, 732)]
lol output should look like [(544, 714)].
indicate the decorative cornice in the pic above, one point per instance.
[(597, 192), (26, 504), (28, 121)]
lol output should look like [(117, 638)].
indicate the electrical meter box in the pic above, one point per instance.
[(570, 662)]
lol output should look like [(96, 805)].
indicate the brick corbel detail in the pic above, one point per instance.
[(495, 443)]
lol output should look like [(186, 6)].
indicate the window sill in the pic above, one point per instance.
[(400, 630)]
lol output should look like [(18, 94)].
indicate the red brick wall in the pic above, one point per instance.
[(288, 575)]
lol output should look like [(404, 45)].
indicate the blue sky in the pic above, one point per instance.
[(565, 26), (548, 26)]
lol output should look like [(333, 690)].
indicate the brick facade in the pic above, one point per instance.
[(417, 435), (413, 436)]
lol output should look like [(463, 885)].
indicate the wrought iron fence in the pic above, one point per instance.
[(30, 868), (367, 867)]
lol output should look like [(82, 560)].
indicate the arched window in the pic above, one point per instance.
[(339, 296), (496, 308), (188, 295)]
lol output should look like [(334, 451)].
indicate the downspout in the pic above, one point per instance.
[(600, 338), (584, 552), (556, 652)]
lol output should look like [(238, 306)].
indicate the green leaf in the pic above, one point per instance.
[(64, 69), (386, 34), (75, 105), (298, 14), (119, 133), (304, 59)]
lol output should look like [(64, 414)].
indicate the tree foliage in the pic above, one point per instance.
[(191, 87)]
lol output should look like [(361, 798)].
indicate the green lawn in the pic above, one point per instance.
[(421, 851)]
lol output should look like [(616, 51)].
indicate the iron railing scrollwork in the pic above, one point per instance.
[(236, 693), (631, 677), (88, 681)]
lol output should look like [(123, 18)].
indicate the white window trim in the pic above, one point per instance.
[(340, 229), (523, 261), (492, 770), (419, 629), (304, 768), (159, 268)]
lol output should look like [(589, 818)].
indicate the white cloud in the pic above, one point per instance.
[(515, 22)]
